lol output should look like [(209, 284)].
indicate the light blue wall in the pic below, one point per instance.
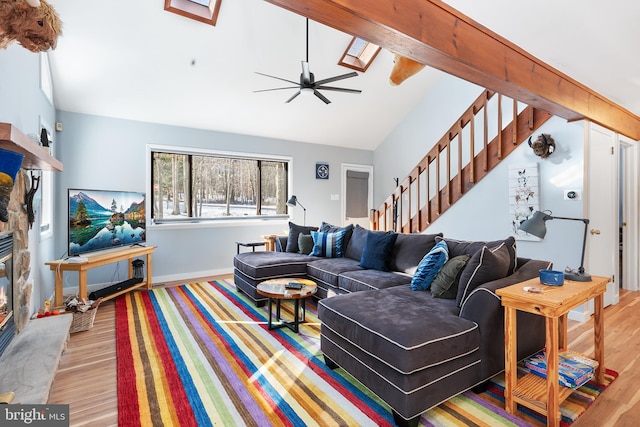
[(108, 153), (412, 139), (23, 104), (483, 213)]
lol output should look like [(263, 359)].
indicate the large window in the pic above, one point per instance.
[(208, 186)]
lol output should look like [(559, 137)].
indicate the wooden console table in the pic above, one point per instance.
[(96, 260), (554, 303)]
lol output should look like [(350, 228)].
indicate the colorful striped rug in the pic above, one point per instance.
[(201, 355)]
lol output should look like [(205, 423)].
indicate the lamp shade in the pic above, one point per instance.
[(293, 201), (536, 224)]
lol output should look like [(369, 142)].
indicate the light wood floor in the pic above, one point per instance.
[(86, 378)]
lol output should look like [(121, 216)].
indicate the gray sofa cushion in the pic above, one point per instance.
[(409, 250), (406, 330), (461, 247), (268, 265), (484, 266), (367, 280), (356, 243), (294, 231), (327, 270)]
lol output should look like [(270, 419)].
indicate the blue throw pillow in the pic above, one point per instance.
[(328, 245), (430, 266), (377, 250)]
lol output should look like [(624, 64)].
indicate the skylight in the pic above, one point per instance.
[(201, 10), (359, 54)]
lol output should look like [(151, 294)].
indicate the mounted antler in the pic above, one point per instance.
[(403, 68), (32, 23)]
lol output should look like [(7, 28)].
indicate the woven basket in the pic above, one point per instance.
[(83, 321)]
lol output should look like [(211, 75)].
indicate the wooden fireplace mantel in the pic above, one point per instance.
[(35, 157)]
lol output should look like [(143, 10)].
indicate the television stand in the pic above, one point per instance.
[(96, 260)]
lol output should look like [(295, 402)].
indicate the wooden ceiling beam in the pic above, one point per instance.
[(432, 32)]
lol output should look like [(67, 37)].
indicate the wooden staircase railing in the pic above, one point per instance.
[(457, 162)]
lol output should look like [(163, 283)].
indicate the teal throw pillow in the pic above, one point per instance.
[(328, 245), (377, 250), (430, 266)]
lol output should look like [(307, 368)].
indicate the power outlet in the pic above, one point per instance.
[(572, 195)]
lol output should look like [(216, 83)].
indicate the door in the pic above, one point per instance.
[(602, 208), (629, 216), (357, 194)]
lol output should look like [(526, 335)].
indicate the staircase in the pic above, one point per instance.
[(471, 148)]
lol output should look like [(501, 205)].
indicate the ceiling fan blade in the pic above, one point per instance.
[(338, 89), (306, 74), (321, 96), (336, 78), (277, 88), (279, 78), (292, 98)]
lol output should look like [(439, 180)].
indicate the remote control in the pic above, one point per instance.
[(293, 285)]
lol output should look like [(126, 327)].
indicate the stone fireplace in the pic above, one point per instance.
[(15, 261)]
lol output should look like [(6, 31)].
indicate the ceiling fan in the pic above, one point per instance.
[(307, 83)]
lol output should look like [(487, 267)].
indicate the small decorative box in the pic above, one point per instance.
[(551, 277)]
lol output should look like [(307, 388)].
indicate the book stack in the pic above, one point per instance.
[(574, 369)]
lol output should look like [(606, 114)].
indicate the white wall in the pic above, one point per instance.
[(488, 201), (23, 104), (483, 213), (107, 153), (419, 131)]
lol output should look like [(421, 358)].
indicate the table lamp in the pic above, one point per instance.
[(536, 226), (293, 201)]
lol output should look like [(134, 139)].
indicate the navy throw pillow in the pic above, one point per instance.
[(377, 250), (430, 266)]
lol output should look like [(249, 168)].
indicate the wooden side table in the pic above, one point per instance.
[(96, 260), (270, 242), (554, 303)]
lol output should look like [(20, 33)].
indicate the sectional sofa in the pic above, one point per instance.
[(413, 347)]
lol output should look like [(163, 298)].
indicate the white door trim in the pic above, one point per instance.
[(630, 177), (343, 176)]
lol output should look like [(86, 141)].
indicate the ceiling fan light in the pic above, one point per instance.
[(306, 91)]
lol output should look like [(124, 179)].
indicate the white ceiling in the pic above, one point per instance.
[(133, 60)]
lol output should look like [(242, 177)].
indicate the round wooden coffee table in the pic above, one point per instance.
[(276, 290)]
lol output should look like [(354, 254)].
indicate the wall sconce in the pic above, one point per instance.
[(10, 164)]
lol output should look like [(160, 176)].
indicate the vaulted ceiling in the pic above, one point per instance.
[(134, 60)]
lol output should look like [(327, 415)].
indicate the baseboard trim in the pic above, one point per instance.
[(580, 316), (158, 280)]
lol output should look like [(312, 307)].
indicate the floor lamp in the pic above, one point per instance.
[(293, 201), (536, 225)]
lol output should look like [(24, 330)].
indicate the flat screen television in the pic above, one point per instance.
[(104, 219)]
